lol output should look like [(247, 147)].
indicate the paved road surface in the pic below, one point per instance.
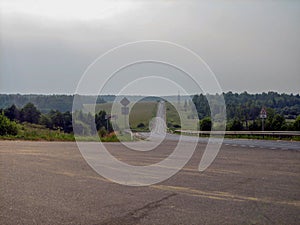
[(50, 183), (247, 143), (159, 127)]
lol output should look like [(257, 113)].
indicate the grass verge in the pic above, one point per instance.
[(34, 132)]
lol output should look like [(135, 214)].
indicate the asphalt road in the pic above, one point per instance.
[(159, 127), (50, 183), (244, 143)]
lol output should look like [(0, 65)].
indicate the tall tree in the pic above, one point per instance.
[(102, 121), (12, 113), (30, 113)]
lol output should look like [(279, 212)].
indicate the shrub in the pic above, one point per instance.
[(297, 124), (235, 125), (102, 132), (141, 125), (205, 124), (7, 127)]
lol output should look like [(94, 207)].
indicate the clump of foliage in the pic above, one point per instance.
[(297, 124), (235, 125), (205, 124), (7, 127), (141, 125)]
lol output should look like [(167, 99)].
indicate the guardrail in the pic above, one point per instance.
[(258, 133)]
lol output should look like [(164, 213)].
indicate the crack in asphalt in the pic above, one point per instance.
[(136, 215)]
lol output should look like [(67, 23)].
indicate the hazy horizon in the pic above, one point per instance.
[(250, 93)]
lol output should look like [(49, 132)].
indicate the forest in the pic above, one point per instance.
[(243, 110), (46, 103)]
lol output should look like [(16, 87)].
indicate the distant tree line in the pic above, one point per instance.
[(46, 103), (54, 120), (243, 110)]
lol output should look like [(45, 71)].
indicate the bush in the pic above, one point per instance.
[(102, 132), (140, 125), (278, 123), (7, 127), (255, 125), (297, 124), (205, 124), (110, 138), (235, 125)]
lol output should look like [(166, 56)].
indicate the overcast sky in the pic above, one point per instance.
[(45, 46)]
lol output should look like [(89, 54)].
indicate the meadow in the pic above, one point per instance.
[(140, 114), (183, 118)]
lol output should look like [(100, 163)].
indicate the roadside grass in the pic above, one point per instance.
[(108, 138), (34, 132)]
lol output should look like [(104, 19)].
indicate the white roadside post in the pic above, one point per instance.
[(263, 116)]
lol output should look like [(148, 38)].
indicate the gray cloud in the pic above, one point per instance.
[(250, 45)]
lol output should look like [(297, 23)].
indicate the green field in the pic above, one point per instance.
[(172, 117), (140, 113), (143, 112), (186, 121)]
